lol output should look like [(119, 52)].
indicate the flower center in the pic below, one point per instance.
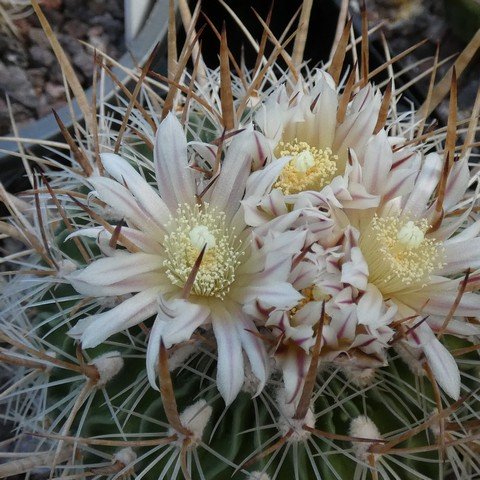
[(398, 254), (193, 228), (310, 168)]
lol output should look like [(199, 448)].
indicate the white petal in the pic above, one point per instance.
[(275, 294), (358, 125), (400, 182), (369, 308), (174, 177), (425, 184), (153, 350), (187, 317), (377, 163), (175, 323), (430, 301), (325, 111), (107, 271), (361, 199), (230, 373), (253, 347), (144, 242), (205, 154), (123, 202), (295, 366), (229, 187), (372, 311), (131, 312), (443, 365), (455, 327), (460, 256), (457, 183), (355, 272), (468, 233), (126, 175), (260, 182), (135, 283)]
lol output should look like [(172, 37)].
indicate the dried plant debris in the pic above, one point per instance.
[(265, 271)]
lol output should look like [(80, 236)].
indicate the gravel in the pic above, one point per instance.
[(29, 72)]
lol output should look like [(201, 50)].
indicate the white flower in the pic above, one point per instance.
[(310, 141), (419, 268), (170, 233)]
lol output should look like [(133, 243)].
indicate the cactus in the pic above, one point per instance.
[(295, 300)]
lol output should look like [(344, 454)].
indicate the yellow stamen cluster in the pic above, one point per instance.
[(398, 254), (193, 228), (310, 168)]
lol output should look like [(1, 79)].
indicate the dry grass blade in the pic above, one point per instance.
[(187, 91), (438, 401), (108, 443), (187, 288), (472, 127), (453, 308), (263, 43), (226, 96), (259, 77), (438, 213), (32, 462), (335, 69), (452, 122), (121, 238), (21, 362), (346, 95), (189, 22), (40, 355), (137, 105), (443, 86), (96, 140), (431, 84), (191, 86), (78, 154), (381, 449), (21, 150), (169, 101), (239, 71), (272, 448), (302, 32), (342, 19), (65, 219), (131, 103), (166, 391), (395, 59), (365, 46), (281, 50), (309, 385), (172, 40), (65, 64), (25, 230), (41, 224), (384, 107), (114, 238)]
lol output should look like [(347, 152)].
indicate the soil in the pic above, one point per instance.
[(29, 72)]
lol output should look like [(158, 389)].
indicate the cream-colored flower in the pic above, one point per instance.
[(420, 268), (171, 233)]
